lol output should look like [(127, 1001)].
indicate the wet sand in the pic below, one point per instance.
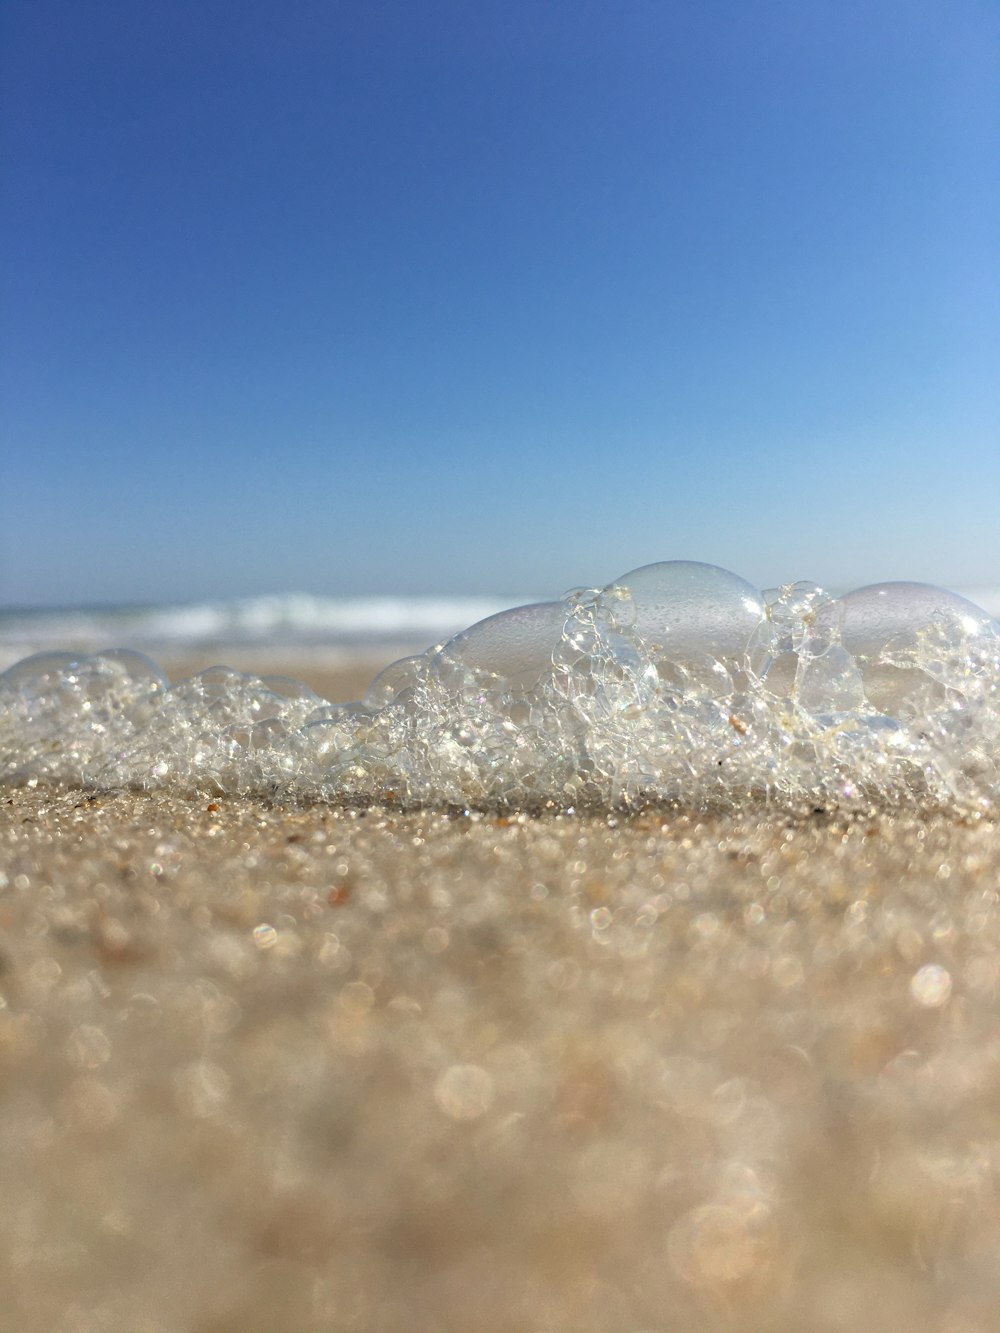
[(285, 1069)]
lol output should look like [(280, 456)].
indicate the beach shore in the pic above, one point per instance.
[(303, 1068)]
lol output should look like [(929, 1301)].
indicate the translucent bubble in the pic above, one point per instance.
[(45, 672), (69, 713), (38, 672), (397, 677), (137, 668), (688, 608), (773, 649), (289, 688), (884, 627), (829, 682), (515, 646), (870, 618)]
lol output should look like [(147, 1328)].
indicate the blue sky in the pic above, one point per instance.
[(433, 296)]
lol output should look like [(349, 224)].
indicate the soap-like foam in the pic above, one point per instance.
[(677, 683)]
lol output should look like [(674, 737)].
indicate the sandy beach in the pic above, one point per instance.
[(276, 1069)]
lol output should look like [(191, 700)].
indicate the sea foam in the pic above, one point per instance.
[(678, 683)]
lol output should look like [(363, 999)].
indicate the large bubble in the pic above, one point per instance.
[(897, 633), (873, 618), (684, 608), (515, 646)]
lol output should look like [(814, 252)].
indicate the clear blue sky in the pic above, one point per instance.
[(360, 296)]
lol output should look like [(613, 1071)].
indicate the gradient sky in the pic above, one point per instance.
[(444, 296)]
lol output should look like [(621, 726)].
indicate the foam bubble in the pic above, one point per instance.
[(683, 607), (678, 682), (514, 646)]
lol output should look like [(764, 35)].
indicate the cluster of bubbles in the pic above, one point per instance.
[(678, 683)]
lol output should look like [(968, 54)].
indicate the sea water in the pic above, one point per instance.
[(677, 683)]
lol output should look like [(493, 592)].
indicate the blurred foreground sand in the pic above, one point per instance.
[(270, 1070)]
